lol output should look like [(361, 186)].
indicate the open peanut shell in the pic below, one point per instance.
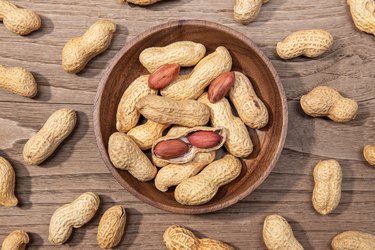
[(190, 154)]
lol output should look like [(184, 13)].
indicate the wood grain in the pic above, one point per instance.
[(77, 166)]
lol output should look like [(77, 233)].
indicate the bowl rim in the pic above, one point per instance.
[(98, 99)]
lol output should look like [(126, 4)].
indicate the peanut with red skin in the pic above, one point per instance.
[(220, 87), (204, 139), (163, 76), (171, 149)]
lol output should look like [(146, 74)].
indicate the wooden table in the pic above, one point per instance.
[(77, 166)]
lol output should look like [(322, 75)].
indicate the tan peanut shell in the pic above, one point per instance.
[(278, 235), (250, 108), (173, 174), (18, 80), (189, 113), (18, 20), (353, 240), (207, 70), (185, 53), (369, 154), (7, 184), (179, 238), (146, 134), (143, 2), (327, 190), (111, 227), (309, 43), (325, 101), (126, 155), (127, 115), (16, 240), (175, 131), (78, 51), (193, 151), (201, 188), (246, 11), (72, 215), (58, 126), (363, 14), (238, 141)]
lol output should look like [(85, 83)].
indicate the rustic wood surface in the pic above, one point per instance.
[(77, 167)]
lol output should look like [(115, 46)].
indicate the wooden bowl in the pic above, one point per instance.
[(247, 58)]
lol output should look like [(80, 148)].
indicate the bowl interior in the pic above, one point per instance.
[(247, 58)]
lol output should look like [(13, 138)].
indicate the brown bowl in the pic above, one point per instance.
[(247, 58)]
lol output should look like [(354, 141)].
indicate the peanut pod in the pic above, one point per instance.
[(189, 113), (127, 115), (324, 101), (238, 141), (246, 11), (78, 51), (173, 174), (192, 150), (369, 154), (111, 227), (327, 190), (250, 108), (207, 70), (185, 53), (201, 188), (72, 215), (277, 234), (18, 20), (177, 237), (18, 80), (16, 240), (143, 2), (146, 134), (363, 14), (7, 184), (353, 240), (310, 43), (126, 155), (58, 127)]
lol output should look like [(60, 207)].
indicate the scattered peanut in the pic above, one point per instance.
[(58, 126), (143, 2), (250, 108), (327, 191), (220, 86), (189, 113), (18, 80), (174, 174), (126, 155), (208, 69), (78, 51), (146, 134), (177, 237), (127, 115), (325, 101), (310, 43), (16, 240), (164, 76), (111, 227), (363, 14), (72, 215), (17, 20), (369, 154), (278, 235), (238, 141), (7, 184), (246, 11), (353, 240), (184, 53), (201, 188)]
